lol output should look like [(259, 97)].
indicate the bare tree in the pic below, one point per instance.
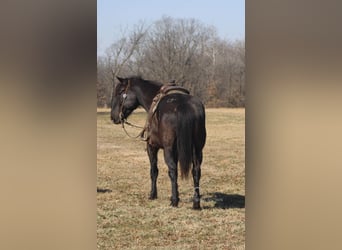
[(175, 49), (184, 50), (120, 52), (116, 58)]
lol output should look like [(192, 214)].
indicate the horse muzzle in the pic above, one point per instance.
[(116, 120)]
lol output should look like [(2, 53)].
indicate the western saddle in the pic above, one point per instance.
[(166, 89)]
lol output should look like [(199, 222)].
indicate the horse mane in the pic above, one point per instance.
[(138, 78)]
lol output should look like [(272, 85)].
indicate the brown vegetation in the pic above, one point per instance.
[(128, 220)]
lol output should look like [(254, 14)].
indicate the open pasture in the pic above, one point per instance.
[(127, 219)]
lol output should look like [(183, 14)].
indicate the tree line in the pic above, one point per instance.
[(182, 50)]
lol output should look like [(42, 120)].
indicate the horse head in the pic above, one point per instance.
[(124, 100)]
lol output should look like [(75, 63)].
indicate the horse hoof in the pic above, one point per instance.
[(152, 197), (196, 206), (174, 203)]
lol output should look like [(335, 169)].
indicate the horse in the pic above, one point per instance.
[(177, 126)]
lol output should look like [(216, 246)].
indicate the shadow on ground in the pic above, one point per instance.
[(103, 190), (225, 201)]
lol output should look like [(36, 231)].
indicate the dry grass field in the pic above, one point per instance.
[(127, 219)]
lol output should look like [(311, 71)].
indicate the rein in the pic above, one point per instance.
[(123, 122)]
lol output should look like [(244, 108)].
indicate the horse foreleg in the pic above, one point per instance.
[(171, 161), (153, 156), (196, 174)]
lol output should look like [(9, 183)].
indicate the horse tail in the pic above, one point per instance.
[(185, 125)]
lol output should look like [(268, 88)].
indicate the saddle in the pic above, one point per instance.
[(172, 87), (166, 89)]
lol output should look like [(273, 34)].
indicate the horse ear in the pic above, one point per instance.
[(120, 79), (123, 81)]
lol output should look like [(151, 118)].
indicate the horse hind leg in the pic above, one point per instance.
[(153, 157), (171, 161), (196, 174)]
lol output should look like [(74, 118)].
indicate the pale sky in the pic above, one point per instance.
[(227, 16)]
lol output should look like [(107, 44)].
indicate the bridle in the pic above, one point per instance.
[(121, 115), (124, 97)]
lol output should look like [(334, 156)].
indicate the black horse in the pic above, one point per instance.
[(177, 126)]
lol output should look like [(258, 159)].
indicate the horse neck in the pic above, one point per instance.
[(145, 93)]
